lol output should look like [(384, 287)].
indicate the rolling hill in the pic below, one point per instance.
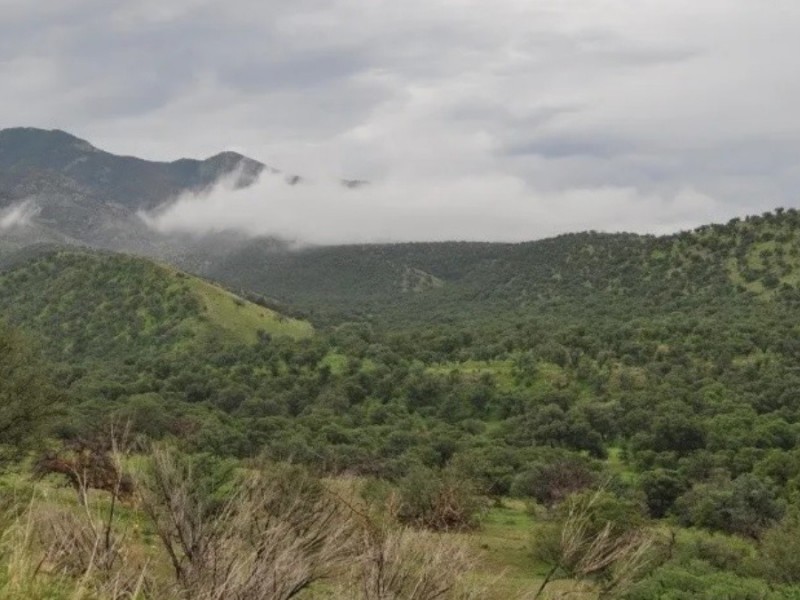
[(86, 304), (757, 257)]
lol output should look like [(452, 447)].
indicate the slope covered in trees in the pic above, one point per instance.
[(586, 273), (661, 370)]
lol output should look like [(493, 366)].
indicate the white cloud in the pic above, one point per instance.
[(477, 208), (18, 214)]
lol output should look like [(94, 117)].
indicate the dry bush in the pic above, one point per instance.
[(85, 548), (273, 536), (77, 552), (404, 564), (91, 549)]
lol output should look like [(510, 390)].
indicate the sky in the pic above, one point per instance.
[(501, 120)]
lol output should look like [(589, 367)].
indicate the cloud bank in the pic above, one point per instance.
[(499, 208)]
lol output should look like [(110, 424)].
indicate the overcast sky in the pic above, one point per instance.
[(477, 119)]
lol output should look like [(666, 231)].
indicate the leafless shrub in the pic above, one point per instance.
[(90, 550), (82, 549), (404, 564), (90, 544), (92, 463), (272, 537)]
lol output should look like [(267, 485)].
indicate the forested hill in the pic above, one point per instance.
[(88, 305), (755, 257)]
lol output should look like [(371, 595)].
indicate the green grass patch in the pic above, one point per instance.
[(504, 547), (241, 319)]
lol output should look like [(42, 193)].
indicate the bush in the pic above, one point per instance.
[(550, 483), (744, 506), (438, 501)]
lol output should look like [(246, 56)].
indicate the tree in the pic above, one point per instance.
[(745, 506), (661, 488), (781, 549), (27, 398)]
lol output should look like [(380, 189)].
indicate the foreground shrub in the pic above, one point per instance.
[(275, 534), (597, 537), (401, 563), (438, 501)]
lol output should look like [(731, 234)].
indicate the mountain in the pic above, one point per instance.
[(35, 162), (77, 194), (74, 193), (61, 190)]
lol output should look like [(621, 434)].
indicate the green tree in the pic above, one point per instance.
[(27, 398)]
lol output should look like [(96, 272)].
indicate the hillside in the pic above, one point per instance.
[(92, 305), (660, 370), (36, 162), (76, 194), (756, 257)]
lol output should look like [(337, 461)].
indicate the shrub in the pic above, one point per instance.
[(550, 483), (597, 536), (781, 550), (438, 501)]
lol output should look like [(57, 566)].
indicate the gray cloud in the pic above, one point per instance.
[(563, 116)]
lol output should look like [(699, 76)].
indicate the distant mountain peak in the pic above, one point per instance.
[(41, 161), (90, 196)]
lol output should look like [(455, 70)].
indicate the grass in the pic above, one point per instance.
[(242, 320), (507, 566), (335, 361), (504, 546), (617, 465)]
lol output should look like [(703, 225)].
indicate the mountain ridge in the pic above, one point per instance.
[(131, 181), (751, 257)]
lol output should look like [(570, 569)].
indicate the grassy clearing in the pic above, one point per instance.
[(501, 371), (548, 376), (242, 320), (617, 465), (504, 547), (336, 362)]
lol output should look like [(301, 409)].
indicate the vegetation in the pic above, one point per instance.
[(611, 415)]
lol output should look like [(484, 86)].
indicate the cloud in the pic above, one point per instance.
[(479, 208), (18, 215), (552, 102)]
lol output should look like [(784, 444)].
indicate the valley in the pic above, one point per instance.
[(599, 415)]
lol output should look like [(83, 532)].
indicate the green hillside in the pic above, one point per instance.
[(100, 305), (586, 272), (477, 389)]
